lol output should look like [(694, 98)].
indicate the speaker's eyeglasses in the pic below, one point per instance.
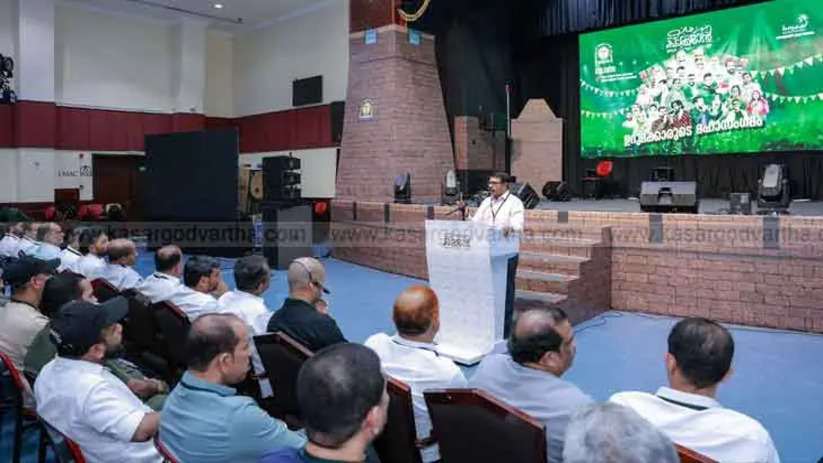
[(311, 277)]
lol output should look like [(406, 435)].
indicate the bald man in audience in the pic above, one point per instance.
[(165, 281), (411, 356), (541, 350), (201, 276), (299, 317), (119, 272), (95, 243)]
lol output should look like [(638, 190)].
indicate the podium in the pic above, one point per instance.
[(467, 265)]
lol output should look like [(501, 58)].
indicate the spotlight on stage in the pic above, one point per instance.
[(773, 190), (451, 188), (526, 193), (402, 189)]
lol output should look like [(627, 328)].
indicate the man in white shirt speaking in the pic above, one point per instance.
[(504, 211), (699, 359)]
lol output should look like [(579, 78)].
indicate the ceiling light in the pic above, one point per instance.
[(218, 5)]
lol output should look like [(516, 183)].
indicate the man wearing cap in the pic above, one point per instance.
[(298, 316), (119, 272), (86, 402), (21, 319)]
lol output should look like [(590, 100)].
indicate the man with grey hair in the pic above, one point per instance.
[(612, 432), (50, 238), (298, 317)]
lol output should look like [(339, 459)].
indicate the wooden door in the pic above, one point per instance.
[(117, 180)]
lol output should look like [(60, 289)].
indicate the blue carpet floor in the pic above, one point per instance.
[(777, 378)]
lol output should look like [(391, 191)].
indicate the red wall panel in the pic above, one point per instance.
[(37, 124), (6, 126)]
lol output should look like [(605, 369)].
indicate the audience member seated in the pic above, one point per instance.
[(252, 277), (204, 419), (82, 399), (343, 399), (28, 242), (201, 276), (410, 355), (699, 359), (298, 317), (21, 319), (122, 255), (50, 238), (165, 281), (541, 349), (95, 244), (67, 287), (613, 433), (10, 243), (71, 254)]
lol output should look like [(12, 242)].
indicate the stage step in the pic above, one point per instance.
[(524, 298), (560, 246), (551, 263), (543, 282)]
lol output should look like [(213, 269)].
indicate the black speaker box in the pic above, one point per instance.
[(556, 191), (281, 181), (669, 197), (526, 193), (338, 113), (287, 232)]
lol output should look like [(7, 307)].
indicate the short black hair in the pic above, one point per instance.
[(88, 236), (198, 267), (502, 176), (336, 388), (164, 262), (703, 350), (531, 347), (60, 289), (208, 337), (250, 271)]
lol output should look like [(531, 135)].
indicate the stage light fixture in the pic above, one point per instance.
[(451, 188), (773, 190)]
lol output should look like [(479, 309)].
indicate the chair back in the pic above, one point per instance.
[(139, 328), (163, 450), (688, 455), (16, 378), (103, 290), (398, 442), (64, 449), (282, 358), (470, 426), (172, 328)]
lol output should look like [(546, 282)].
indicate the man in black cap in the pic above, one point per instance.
[(83, 400), (20, 319)]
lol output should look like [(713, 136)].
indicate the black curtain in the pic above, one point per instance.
[(533, 44)]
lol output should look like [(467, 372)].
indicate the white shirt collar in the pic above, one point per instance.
[(238, 294), (82, 365), (430, 346), (73, 251), (687, 398), (501, 197)]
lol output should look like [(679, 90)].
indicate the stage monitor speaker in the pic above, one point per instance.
[(669, 197), (663, 174), (526, 193), (556, 191), (281, 178), (338, 113), (287, 232), (740, 203)]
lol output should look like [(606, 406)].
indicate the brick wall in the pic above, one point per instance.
[(537, 145), (476, 149), (733, 269), (408, 131)]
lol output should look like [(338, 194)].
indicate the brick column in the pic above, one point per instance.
[(408, 130)]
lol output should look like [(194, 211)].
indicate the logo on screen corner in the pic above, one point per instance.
[(800, 28), (603, 54)]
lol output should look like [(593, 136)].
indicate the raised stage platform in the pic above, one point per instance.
[(707, 206)]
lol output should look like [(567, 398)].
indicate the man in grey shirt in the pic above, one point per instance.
[(541, 349)]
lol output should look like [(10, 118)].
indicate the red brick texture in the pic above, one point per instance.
[(476, 149), (727, 268), (408, 131)]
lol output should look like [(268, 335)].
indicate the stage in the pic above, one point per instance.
[(800, 208)]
